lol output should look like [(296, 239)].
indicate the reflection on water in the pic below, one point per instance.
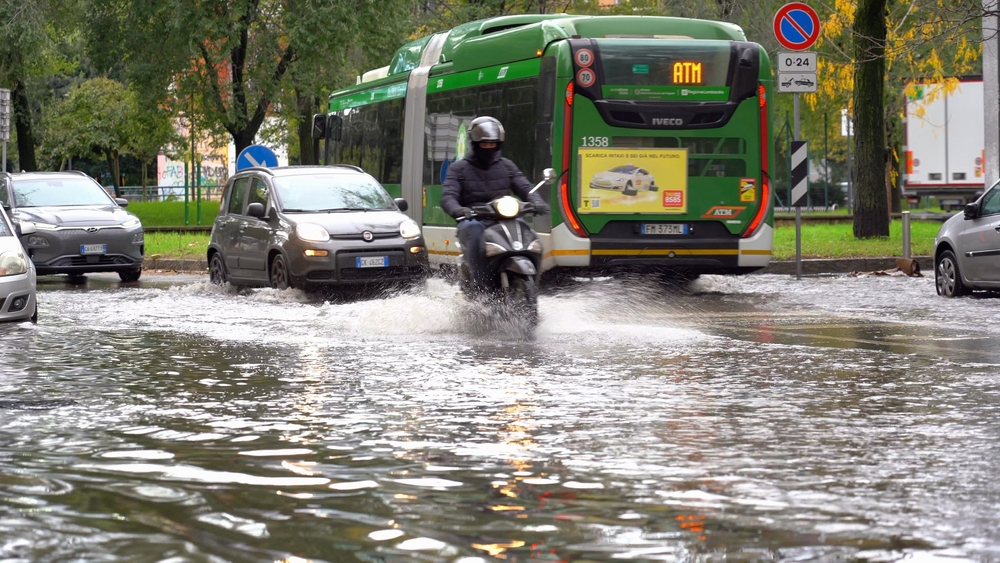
[(743, 418)]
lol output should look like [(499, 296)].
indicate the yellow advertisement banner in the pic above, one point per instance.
[(633, 180)]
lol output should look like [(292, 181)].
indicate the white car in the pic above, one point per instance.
[(17, 275), (967, 248), (628, 179)]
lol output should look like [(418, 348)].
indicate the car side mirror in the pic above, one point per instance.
[(971, 210), (319, 126), (24, 229), (256, 209), (401, 204), (121, 201)]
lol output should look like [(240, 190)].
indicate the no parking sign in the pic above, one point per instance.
[(796, 26)]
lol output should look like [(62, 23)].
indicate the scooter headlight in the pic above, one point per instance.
[(507, 206), (535, 246)]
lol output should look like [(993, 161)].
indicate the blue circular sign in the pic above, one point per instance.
[(256, 156)]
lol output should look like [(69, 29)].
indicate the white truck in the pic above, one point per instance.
[(944, 154)]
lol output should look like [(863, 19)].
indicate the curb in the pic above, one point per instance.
[(810, 267), (176, 265), (815, 266)]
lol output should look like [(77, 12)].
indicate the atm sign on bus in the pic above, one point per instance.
[(687, 73)]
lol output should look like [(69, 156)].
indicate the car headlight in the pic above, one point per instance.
[(311, 232), (409, 230), (508, 206), (12, 264), (45, 227), (130, 223)]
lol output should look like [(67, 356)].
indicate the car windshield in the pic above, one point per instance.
[(331, 192), (624, 169), (58, 192)]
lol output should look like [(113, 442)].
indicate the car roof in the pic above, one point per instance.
[(60, 174), (280, 171)]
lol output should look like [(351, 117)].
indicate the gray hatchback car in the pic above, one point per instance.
[(78, 227), (967, 248), (310, 226)]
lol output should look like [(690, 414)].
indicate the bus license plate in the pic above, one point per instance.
[(93, 249), (664, 229), (372, 261)]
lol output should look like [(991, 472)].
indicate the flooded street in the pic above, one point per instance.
[(752, 418)]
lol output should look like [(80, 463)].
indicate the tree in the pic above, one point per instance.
[(98, 117), (871, 218), (233, 59)]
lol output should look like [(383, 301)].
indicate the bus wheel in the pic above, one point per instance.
[(629, 190)]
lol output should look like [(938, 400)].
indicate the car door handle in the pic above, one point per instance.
[(997, 228), (243, 227)]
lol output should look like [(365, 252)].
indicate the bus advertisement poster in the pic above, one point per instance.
[(633, 180)]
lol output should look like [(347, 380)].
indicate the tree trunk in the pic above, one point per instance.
[(25, 135), (307, 145), (871, 214), (112, 160)]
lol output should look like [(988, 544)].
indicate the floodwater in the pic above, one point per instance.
[(749, 418)]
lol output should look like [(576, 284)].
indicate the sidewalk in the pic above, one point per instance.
[(810, 267)]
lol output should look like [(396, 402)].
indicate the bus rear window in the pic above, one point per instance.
[(637, 69)]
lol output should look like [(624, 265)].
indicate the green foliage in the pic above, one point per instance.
[(94, 119), (178, 246), (171, 213)]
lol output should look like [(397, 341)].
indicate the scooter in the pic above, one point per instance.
[(513, 253)]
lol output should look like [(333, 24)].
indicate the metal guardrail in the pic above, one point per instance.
[(942, 217)]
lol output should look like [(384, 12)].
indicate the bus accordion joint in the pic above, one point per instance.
[(765, 199)]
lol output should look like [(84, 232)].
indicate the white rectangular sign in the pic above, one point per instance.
[(802, 61), (4, 115), (796, 82)]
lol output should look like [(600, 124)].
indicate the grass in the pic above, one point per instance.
[(818, 241), (837, 241), (171, 213), (184, 246)]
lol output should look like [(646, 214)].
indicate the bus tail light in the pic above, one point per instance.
[(765, 203), (765, 152), (565, 202)]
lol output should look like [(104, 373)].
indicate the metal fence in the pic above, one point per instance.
[(828, 193), (170, 193)]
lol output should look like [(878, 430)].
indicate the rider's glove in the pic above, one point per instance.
[(541, 208), (463, 213)]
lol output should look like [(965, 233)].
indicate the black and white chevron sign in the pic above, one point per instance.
[(800, 173)]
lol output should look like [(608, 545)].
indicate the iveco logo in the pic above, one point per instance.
[(92, 229), (667, 121), (367, 235)]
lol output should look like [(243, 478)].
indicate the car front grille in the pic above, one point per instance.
[(357, 236), (102, 260)]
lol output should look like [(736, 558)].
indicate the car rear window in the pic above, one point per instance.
[(330, 192), (58, 192)]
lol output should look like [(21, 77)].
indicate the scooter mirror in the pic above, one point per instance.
[(549, 175)]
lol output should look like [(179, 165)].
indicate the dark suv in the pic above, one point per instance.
[(78, 227), (307, 226)]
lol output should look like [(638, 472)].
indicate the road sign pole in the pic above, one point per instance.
[(798, 209)]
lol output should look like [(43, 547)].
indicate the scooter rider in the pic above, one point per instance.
[(479, 178)]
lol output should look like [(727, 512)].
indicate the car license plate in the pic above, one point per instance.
[(664, 229), (372, 261), (93, 249)]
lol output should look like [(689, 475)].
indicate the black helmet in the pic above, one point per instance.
[(486, 128)]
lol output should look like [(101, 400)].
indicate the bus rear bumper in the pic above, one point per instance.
[(756, 251)]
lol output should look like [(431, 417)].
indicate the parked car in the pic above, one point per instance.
[(17, 276), (77, 228), (309, 226), (628, 179), (967, 248)]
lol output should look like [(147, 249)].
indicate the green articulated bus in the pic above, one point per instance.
[(659, 127)]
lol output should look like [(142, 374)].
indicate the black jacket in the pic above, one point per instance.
[(466, 184)]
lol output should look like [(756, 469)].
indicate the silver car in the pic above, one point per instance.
[(308, 226), (78, 227), (967, 248), (17, 277)]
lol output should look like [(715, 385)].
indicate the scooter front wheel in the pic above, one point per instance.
[(523, 300)]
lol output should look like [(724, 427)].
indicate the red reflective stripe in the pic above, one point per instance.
[(765, 198), (564, 201)]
